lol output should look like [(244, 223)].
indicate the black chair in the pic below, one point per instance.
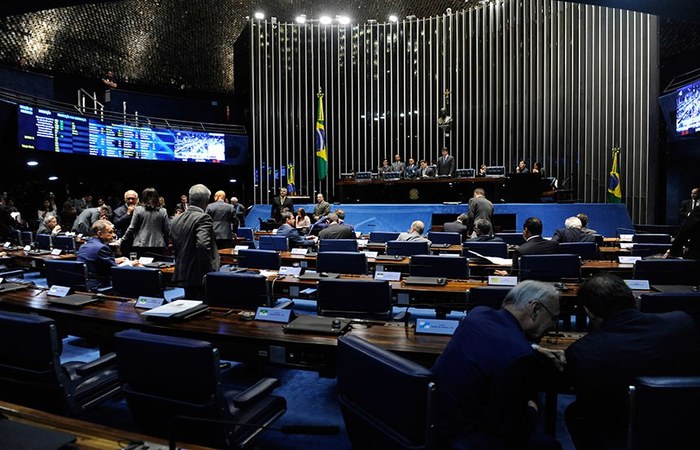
[(382, 237), (248, 236), (598, 239), (512, 238), (668, 271), (259, 259), (369, 299), (406, 419), (65, 243), (342, 262), (173, 389), (72, 274), (553, 267), (31, 372), (239, 290), (644, 250), (27, 237), (276, 243), (586, 250), (688, 302), (664, 413), (488, 248), (129, 281), (44, 241), (444, 237), (491, 296), (652, 238), (407, 248), (452, 267), (337, 245), (16, 237)]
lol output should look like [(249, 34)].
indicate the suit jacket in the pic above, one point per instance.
[(278, 205), (536, 245), (485, 238), (83, 223), (428, 172), (99, 259), (148, 228), (295, 239), (456, 227), (196, 254), (411, 171), (686, 208), (6, 223), (413, 236), (572, 235), (224, 219), (337, 231), (629, 344), (479, 208), (322, 209), (398, 167), (689, 231), (446, 165), (122, 220)]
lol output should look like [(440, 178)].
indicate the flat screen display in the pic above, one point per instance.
[(688, 109), (47, 130)]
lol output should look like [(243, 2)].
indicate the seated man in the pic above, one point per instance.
[(489, 373), (484, 232), (335, 230), (322, 208), (584, 224), (534, 244), (288, 230), (572, 232), (624, 344), (49, 226), (458, 226), (98, 257), (415, 233), (341, 219)]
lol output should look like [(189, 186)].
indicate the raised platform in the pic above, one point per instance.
[(606, 218)]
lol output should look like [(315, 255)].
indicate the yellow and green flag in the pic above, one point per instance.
[(321, 151), (291, 179), (614, 188)]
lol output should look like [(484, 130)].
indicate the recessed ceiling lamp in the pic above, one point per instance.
[(325, 20), (301, 19), (343, 20), (393, 18), (32, 163), (259, 15), (53, 178)]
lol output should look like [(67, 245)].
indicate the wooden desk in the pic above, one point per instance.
[(29, 260), (88, 435)]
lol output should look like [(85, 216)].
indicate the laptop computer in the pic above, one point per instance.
[(670, 288), (389, 258), (317, 325), (426, 281), (74, 300), (21, 435), (317, 275), (6, 288)]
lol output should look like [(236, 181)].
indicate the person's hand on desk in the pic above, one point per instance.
[(557, 357), (501, 273)]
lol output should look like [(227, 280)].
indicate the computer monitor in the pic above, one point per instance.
[(495, 171)]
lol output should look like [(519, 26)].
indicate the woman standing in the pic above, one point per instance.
[(149, 231)]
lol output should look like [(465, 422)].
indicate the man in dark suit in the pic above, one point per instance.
[(124, 214), (239, 211), (321, 208), (446, 164), (98, 257), (288, 230), (479, 208), (224, 220), (572, 232), (534, 244), (484, 232), (425, 171), (687, 206), (624, 344), (192, 234), (458, 226), (489, 373), (335, 230), (279, 204), (689, 235), (83, 223)]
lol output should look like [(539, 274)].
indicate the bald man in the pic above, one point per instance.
[(123, 214), (224, 217)]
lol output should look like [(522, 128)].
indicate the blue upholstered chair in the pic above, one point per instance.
[(444, 237), (342, 262), (31, 372), (259, 259), (488, 248), (512, 238), (652, 238), (174, 390), (271, 242), (44, 241), (649, 249), (453, 267), (586, 250), (672, 301), (337, 245), (130, 281), (491, 296), (382, 237), (554, 267), (407, 420), (248, 236), (370, 299), (72, 274), (407, 248), (65, 243), (668, 271), (27, 237), (239, 290)]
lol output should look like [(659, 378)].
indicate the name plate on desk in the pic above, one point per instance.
[(239, 247), (145, 260), (58, 291), (495, 280), (371, 254), (629, 259), (27, 248), (387, 276), (626, 237), (149, 302), (289, 270), (299, 251), (638, 285), (7, 244), (273, 315), (436, 326), (56, 252)]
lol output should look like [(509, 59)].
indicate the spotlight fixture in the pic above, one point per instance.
[(32, 163), (301, 19), (53, 178), (325, 20), (259, 15), (343, 20), (393, 18)]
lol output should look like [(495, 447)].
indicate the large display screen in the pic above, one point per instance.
[(688, 109), (43, 129)]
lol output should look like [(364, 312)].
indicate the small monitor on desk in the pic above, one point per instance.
[(388, 176), (465, 173), (495, 171), (363, 176)]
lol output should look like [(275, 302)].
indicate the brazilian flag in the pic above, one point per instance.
[(614, 188), (321, 152)]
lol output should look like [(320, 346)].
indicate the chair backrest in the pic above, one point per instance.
[(337, 245), (444, 237), (404, 419), (259, 259), (553, 267), (342, 262), (30, 370), (354, 298), (271, 242), (66, 243), (652, 238), (688, 302), (668, 271), (498, 249), (598, 239), (130, 281), (453, 267), (44, 241), (407, 248), (586, 250), (664, 413), (512, 238), (247, 234), (491, 296), (16, 237), (27, 237), (649, 249), (465, 173), (382, 236), (240, 290), (66, 273)]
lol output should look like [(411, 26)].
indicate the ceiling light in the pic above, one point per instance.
[(301, 19), (259, 15), (32, 163), (325, 20), (393, 18), (343, 20), (53, 178), (232, 180)]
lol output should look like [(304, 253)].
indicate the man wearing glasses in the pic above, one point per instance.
[(123, 214), (98, 257), (489, 373)]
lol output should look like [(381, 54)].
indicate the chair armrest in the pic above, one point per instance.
[(97, 365), (260, 389), (105, 289)]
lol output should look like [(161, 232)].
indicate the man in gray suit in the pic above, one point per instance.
[(83, 223), (224, 217), (479, 208), (192, 234)]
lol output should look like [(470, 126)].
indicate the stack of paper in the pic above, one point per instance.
[(175, 308)]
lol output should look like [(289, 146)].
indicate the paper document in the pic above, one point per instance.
[(494, 259), (172, 308)]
